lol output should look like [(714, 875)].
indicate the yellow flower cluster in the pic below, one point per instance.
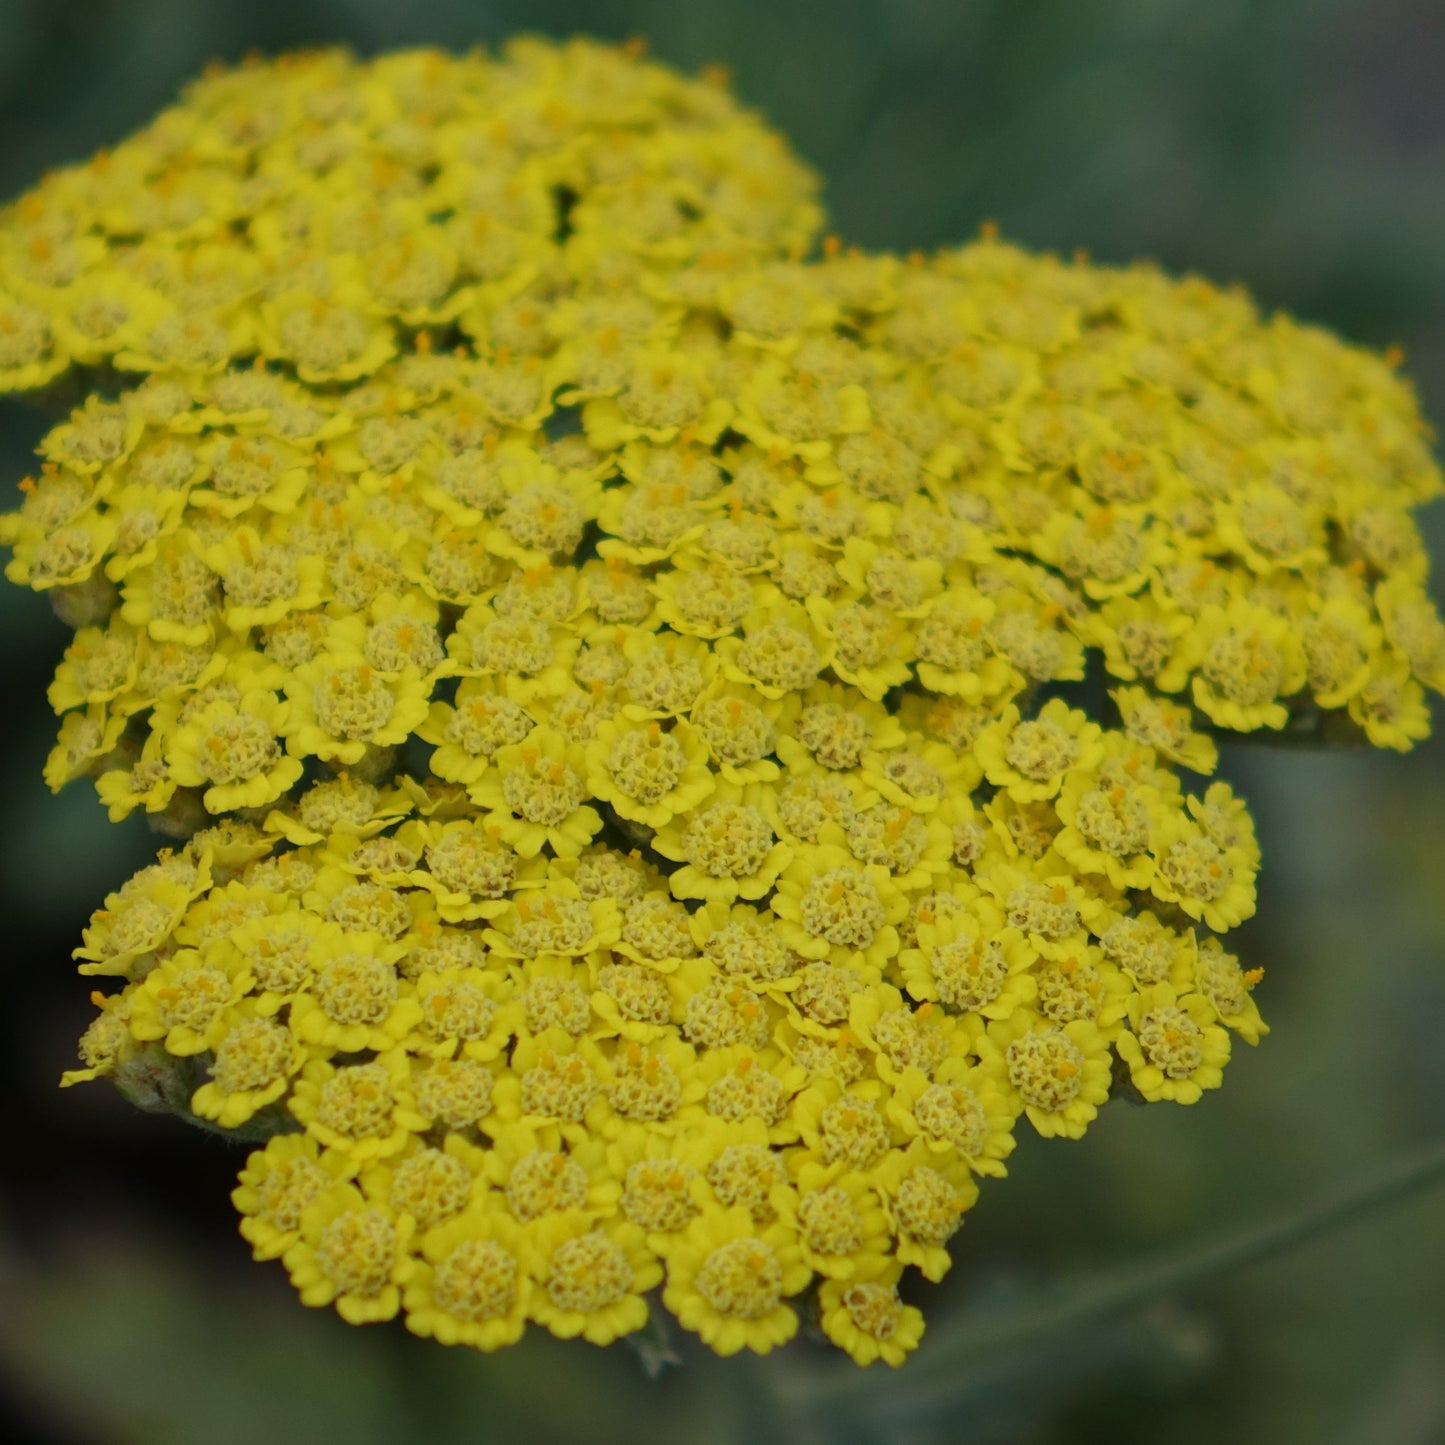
[(622, 683)]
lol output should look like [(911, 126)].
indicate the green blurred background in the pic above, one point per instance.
[(1295, 145)]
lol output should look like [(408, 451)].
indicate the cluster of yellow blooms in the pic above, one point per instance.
[(608, 674)]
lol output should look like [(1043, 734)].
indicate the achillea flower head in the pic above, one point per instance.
[(607, 669)]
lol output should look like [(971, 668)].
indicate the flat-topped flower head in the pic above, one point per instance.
[(624, 688)]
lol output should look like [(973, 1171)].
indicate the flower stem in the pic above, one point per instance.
[(982, 1335)]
